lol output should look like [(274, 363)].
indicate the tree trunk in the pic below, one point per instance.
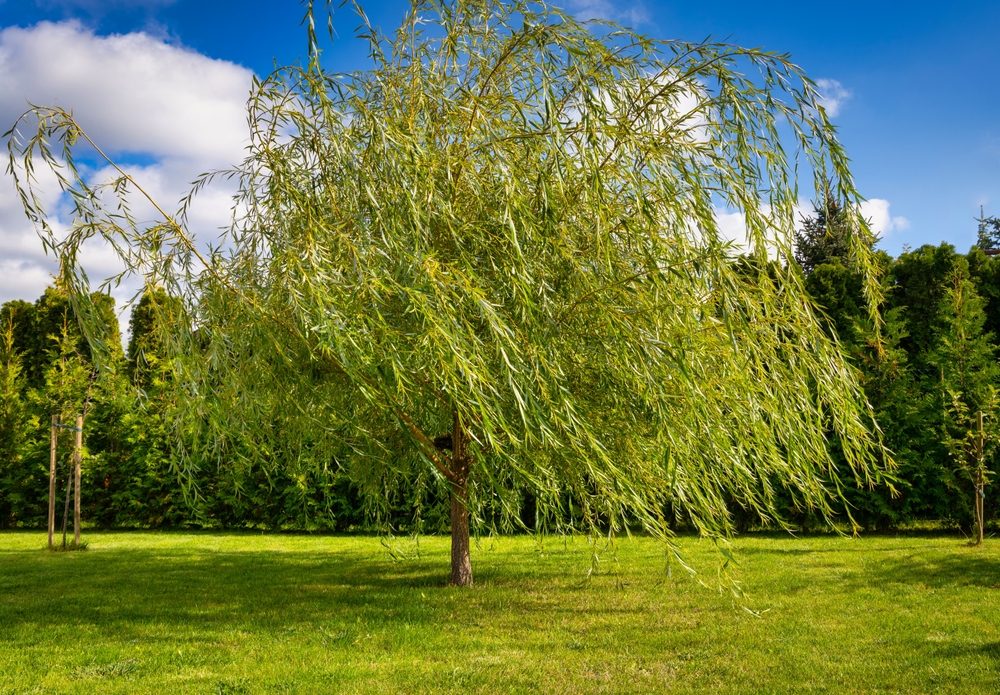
[(461, 561)]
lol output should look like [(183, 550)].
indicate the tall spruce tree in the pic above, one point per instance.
[(826, 235), (988, 233)]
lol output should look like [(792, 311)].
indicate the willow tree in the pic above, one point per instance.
[(492, 262)]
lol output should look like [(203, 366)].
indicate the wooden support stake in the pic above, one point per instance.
[(65, 519), (77, 459), (980, 481), (54, 434)]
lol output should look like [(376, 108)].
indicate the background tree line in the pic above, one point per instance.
[(936, 368), (129, 476)]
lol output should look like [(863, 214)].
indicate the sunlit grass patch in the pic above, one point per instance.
[(242, 613)]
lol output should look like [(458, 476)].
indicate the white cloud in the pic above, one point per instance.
[(25, 269), (22, 279), (833, 96), (130, 92), (102, 6), (627, 13), (876, 211), (732, 225), (134, 94)]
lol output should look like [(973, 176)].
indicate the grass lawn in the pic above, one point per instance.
[(243, 613)]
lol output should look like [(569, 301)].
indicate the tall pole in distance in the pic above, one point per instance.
[(52, 479), (77, 458)]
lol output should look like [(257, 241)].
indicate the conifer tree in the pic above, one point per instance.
[(825, 236), (969, 373), (988, 234), (13, 413)]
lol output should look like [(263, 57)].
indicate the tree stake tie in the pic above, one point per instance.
[(70, 427)]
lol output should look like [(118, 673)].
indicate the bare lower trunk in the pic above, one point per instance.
[(461, 562)]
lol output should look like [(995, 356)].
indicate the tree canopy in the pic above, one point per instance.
[(491, 263)]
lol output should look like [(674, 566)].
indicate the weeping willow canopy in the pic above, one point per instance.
[(493, 263)]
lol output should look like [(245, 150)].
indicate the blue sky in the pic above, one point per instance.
[(914, 86)]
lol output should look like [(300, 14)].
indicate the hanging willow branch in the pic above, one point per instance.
[(509, 221)]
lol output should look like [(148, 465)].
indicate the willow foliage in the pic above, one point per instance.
[(493, 260)]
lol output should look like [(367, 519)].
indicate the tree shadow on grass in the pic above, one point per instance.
[(209, 589), (205, 590), (990, 650), (948, 563), (932, 569)]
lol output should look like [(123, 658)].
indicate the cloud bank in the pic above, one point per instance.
[(627, 13), (732, 225), (140, 99)]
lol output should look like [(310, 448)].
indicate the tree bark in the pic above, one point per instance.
[(461, 561)]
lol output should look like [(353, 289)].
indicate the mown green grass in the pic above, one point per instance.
[(220, 613)]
